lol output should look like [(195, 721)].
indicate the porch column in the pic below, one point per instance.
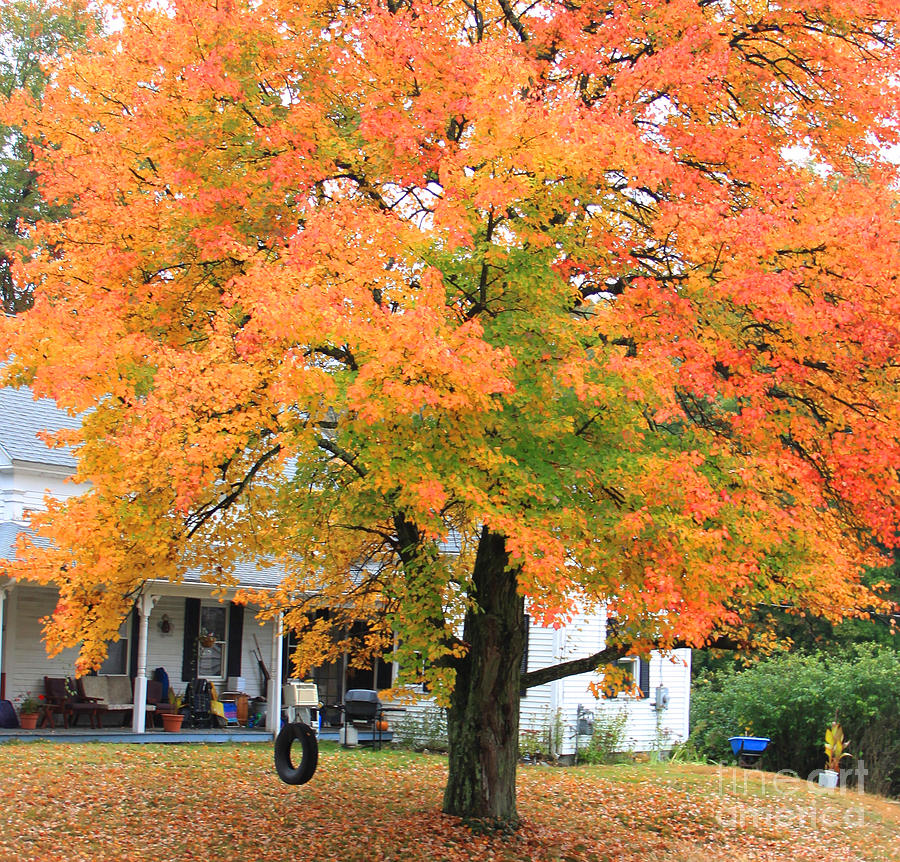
[(4, 589), (273, 695), (139, 715)]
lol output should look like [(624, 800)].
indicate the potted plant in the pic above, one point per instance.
[(171, 721), (834, 753), (28, 710)]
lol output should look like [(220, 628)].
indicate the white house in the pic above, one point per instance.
[(163, 629), (654, 721)]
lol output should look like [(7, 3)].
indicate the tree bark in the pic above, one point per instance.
[(483, 717)]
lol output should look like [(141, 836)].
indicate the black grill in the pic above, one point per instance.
[(362, 704)]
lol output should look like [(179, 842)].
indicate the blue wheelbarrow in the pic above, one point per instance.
[(748, 749)]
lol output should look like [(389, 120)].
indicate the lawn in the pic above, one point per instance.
[(219, 803)]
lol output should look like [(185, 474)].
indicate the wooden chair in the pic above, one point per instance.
[(82, 705), (57, 701)]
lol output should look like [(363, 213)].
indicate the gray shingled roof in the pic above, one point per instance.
[(8, 533), (249, 575), (22, 417)]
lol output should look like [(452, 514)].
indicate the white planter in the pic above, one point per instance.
[(829, 778)]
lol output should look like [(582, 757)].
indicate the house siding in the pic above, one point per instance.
[(554, 705), (27, 662)]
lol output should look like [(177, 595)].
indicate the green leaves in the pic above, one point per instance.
[(33, 32)]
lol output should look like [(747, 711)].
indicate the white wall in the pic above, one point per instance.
[(543, 706), (23, 488), (26, 658), (646, 728)]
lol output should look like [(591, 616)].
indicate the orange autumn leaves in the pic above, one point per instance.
[(95, 801)]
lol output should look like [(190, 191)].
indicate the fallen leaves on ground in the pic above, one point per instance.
[(222, 802)]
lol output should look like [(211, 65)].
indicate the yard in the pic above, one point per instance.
[(218, 803)]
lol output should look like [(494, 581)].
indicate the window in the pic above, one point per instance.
[(639, 671), (212, 642), (632, 666), (117, 652)]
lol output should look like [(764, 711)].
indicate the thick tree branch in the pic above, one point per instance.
[(574, 666), (605, 656), (341, 354), (514, 21)]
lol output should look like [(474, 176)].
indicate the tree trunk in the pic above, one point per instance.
[(483, 718)]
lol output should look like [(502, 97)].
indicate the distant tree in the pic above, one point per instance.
[(342, 280), (31, 32)]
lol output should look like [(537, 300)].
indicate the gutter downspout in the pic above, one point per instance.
[(273, 695)]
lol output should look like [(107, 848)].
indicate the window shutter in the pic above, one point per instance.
[(644, 682), (289, 639), (191, 633), (132, 668), (385, 673), (235, 639), (523, 665)]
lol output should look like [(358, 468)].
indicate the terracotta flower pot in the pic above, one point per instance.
[(171, 721), (28, 720)]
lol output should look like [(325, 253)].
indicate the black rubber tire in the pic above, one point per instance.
[(284, 766)]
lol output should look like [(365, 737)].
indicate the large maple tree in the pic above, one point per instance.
[(603, 292)]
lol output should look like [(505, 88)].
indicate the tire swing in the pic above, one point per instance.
[(284, 766)]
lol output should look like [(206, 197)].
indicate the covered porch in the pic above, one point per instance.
[(125, 735), (180, 628), (168, 629)]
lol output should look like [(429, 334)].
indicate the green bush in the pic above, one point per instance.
[(792, 698)]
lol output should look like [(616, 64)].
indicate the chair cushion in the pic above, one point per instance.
[(113, 690), (119, 690), (95, 686)]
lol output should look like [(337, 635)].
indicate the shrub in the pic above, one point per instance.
[(543, 738), (608, 737), (792, 699), (422, 729)]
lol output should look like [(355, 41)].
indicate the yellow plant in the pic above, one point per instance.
[(834, 746)]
